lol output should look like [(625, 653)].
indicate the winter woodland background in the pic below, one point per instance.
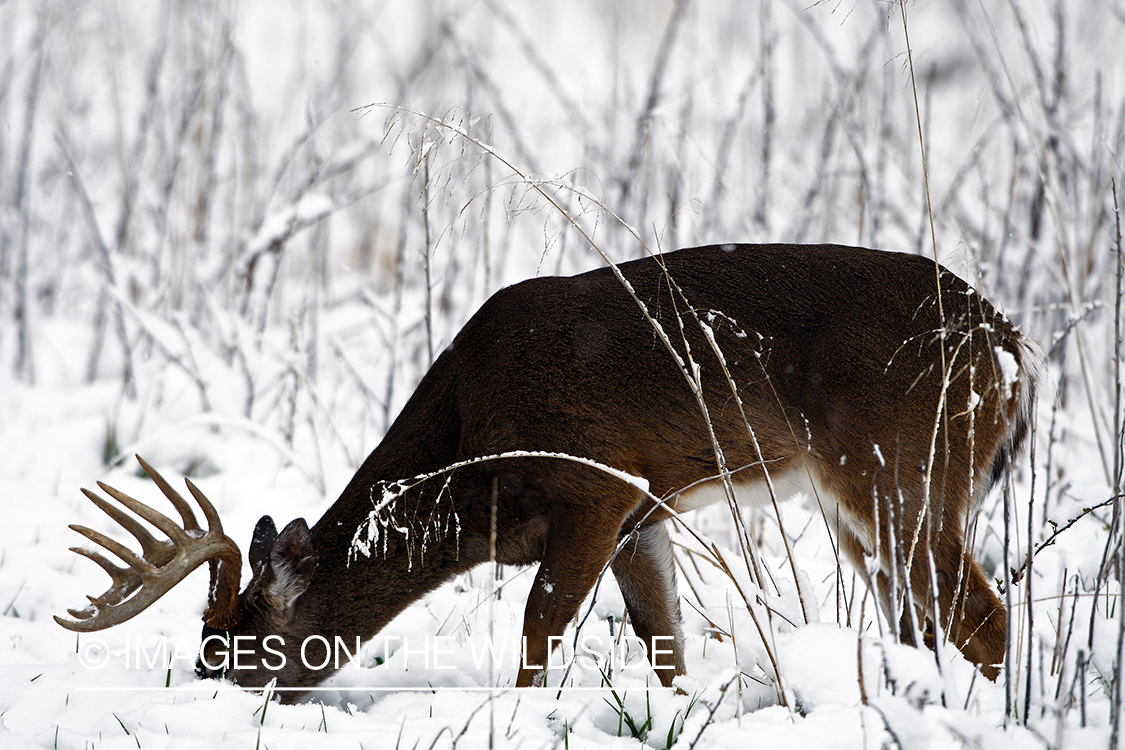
[(210, 257)]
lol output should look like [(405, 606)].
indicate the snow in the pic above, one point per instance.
[(207, 135), (280, 225), (1009, 369)]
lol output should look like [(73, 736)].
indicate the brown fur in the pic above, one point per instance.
[(837, 356)]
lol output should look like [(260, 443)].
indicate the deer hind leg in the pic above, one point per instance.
[(879, 582), (646, 575), (972, 616), (858, 555), (975, 620)]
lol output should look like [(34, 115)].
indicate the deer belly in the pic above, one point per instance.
[(755, 493)]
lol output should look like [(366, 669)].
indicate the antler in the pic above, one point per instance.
[(163, 562)]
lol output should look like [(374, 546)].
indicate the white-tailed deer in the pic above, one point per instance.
[(837, 369)]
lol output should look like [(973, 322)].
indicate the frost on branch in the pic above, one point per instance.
[(384, 518)]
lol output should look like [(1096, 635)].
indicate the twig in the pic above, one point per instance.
[(105, 262), (1118, 448), (714, 708), (25, 361), (1017, 573), (644, 119)]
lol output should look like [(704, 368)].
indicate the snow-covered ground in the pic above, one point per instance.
[(208, 257)]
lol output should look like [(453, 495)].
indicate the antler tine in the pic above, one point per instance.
[(155, 517), (125, 582), (127, 555), (157, 552), (182, 506), (164, 563), (223, 609), (209, 512)]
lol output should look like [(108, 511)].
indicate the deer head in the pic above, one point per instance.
[(237, 629)]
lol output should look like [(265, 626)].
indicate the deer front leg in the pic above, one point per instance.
[(579, 545), (978, 623)]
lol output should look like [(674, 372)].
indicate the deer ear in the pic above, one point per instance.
[(265, 534), (292, 560)]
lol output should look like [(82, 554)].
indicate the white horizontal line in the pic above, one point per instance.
[(380, 689)]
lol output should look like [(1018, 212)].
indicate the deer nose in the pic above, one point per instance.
[(214, 653), (206, 673)]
